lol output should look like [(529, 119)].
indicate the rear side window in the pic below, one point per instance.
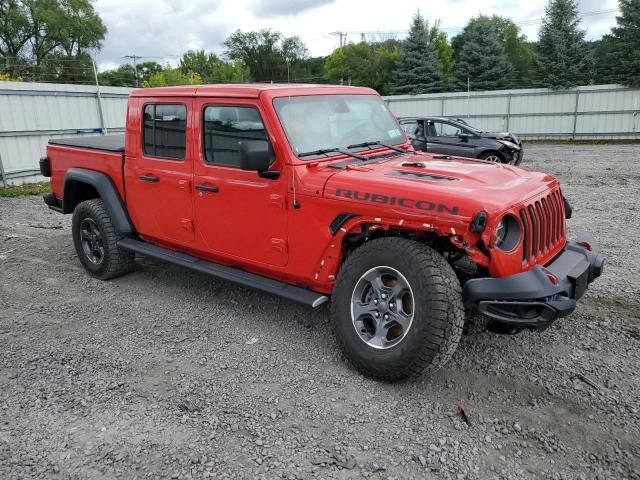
[(224, 128), (165, 131)]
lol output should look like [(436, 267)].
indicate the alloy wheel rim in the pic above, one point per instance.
[(91, 241), (382, 307), (493, 158)]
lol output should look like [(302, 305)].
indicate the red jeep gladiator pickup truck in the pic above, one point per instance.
[(308, 192)]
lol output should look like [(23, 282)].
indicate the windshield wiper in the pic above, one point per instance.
[(371, 144), (324, 151)]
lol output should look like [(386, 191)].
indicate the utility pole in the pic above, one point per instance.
[(343, 37), (468, 94), (135, 66)]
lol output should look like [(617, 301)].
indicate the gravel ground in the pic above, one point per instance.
[(167, 373)]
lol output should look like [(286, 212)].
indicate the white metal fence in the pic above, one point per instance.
[(32, 113), (591, 112)]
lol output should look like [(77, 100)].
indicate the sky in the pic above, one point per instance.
[(161, 30)]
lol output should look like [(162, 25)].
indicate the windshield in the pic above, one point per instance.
[(329, 122), (464, 124)]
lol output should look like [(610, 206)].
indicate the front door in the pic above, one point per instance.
[(158, 179), (451, 139), (237, 212)]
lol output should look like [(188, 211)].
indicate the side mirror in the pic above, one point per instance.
[(255, 155), (464, 137)]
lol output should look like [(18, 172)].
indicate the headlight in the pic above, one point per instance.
[(509, 144), (507, 233)]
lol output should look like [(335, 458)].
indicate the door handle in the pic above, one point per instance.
[(149, 178), (207, 188)]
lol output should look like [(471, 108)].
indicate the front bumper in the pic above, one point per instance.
[(513, 157), (532, 300)]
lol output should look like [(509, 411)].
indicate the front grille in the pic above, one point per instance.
[(544, 226)]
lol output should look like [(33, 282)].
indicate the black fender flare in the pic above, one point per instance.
[(106, 190)]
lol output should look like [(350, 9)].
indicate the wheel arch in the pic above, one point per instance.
[(349, 231), (81, 184)]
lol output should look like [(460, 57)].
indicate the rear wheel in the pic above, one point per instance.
[(95, 239), (397, 309)]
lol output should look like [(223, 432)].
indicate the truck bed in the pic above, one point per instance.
[(106, 143), (104, 153)]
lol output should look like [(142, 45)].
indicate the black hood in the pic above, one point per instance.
[(500, 136)]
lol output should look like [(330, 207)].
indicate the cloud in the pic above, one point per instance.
[(276, 8), (162, 30), (159, 30)]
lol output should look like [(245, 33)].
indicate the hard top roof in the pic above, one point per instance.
[(251, 90)]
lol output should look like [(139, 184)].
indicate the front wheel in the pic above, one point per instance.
[(397, 309), (492, 156)]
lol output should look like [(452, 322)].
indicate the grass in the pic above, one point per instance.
[(25, 190)]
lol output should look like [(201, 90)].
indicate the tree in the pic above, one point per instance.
[(562, 55), (125, 76), (352, 64), (445, 54), (15, 31), (267, 54), (518, 50), (482, 61), (49, 39), (363, 64), (171, 76), (619, 51), (211, 68), (5, 77), (419, 69), (386, 57), (309, 70)]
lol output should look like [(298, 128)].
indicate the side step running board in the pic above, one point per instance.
[(290, 292)]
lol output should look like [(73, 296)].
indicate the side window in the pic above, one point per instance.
[(224, 128), (410, 128), (447, 130), (165, 131)]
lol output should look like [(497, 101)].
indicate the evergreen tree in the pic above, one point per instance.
[(482, 60), (622, 47), (518, 50), (419, 69), (563, 59)]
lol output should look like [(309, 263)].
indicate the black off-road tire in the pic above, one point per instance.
[(437, 307), (114, 261)]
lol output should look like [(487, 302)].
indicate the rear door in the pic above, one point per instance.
[(237, 213), (158, 177)]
